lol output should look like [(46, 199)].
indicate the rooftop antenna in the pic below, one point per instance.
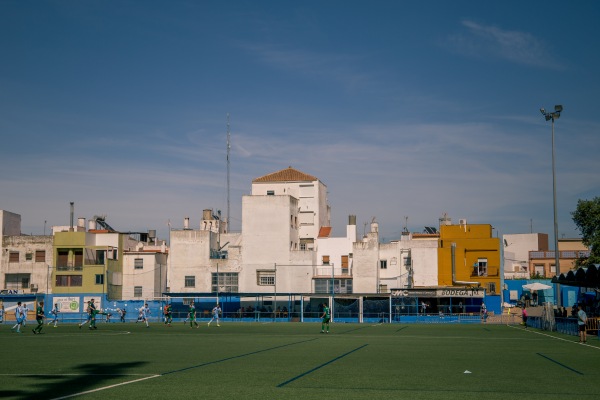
[(228, 170)]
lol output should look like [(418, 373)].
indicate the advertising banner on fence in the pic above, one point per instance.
[(97, 301), (440, 292), (69, 304)]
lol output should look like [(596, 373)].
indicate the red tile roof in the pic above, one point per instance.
[(286, 175), (325, 231)]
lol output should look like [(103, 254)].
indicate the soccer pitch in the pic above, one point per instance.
[(296, 361)]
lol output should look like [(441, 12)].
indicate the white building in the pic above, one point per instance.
[(335, 260), (516, 252), (145, 271), (205, 259), (285, 247), (24, 260), (408, 263)]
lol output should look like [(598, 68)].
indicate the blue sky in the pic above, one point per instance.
[(403, 110)]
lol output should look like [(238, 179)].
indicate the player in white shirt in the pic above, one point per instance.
[(18, 317), (25, 311), (54, 313), (145, 313), (215, 314)]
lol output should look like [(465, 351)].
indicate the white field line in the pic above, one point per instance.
[(106, 387), (76, 374), (557, 338)]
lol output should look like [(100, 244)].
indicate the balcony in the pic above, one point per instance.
[(484, 271), (565, 254), (329, 270), (69, 267)]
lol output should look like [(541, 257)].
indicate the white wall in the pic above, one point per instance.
[(39, 273), (152, 277), (10, 223), (516, 251)]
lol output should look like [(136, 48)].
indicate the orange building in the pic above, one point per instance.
[(468, 255)]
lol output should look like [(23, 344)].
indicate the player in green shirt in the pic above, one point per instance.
[(192, 315), (325, 318), (168, 314), (39, 317)]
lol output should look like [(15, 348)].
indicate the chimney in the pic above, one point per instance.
[(72, 216)]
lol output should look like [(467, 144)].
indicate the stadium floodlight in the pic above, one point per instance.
[(552, 116)]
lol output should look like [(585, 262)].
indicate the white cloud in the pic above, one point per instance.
[(514, 46)]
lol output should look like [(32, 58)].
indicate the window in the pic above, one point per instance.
[(382, 264), (69, 280), (28, 256), (265, 278), (99, 279), (225, 282), (345, 262), (137, 291), (343, 286), (539, 269), (62, 259), (138, 263), (270, 193), (383, 288), (78, 254), (480, 267), (40, 256), (325, 260), (100, 257), (13, 257), (492, 287), (16, 281), (190, 281)]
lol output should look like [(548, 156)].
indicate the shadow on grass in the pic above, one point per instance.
[(86, 377)]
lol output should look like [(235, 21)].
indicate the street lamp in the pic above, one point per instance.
[(551, 116)]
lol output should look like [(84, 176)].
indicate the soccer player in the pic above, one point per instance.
[(39, 317), (54, 313), (89, 315), (25, 311), (192, 315), (168, 314), (122, 314), (18, 317), (92, 316), (215, 314), (145, 312), (325, 318)]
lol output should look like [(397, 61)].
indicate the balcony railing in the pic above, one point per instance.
[(69, 267), (561, 254), (328, 270)]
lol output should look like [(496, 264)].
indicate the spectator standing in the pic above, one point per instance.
[(581, 322)]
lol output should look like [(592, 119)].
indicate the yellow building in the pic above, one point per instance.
[(468, 255), (84, 262)]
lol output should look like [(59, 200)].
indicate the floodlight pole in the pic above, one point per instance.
[(551, 117)]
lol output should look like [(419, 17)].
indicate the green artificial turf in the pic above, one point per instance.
[(296, 361)]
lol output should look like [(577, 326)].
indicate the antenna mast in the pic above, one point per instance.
[(228, 168)]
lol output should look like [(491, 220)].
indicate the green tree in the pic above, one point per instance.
[(587, 220)]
